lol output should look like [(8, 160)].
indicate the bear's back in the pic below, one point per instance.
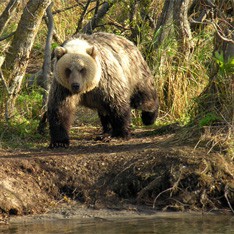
[(123, 69), (117, 51)]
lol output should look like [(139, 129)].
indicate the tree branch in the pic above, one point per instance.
[(8, 13), (82, 16), (7, 36), (4, 81), (220, 32), (67, 8), (92, 24), (115, 23)]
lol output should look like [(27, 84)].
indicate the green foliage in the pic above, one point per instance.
[(20, 133), (21, 129), (54, 45), (29, 104), (208, 119), (224, 66)]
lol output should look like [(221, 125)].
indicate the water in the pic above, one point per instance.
[(161, 224)]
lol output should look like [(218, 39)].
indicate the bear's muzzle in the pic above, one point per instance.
[(75, 87)]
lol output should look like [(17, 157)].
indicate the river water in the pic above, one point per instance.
[(162, 224)]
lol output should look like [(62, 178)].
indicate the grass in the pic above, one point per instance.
[(21, 129), (20, 136)]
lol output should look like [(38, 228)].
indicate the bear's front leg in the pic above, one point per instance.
[(61, 108), (58, 130)]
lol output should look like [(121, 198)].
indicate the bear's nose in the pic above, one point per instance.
[(75, 87)]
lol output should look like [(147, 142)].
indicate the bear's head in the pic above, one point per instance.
[(76, 69)]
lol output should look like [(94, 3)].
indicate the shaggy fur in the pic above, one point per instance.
[(103, 72)]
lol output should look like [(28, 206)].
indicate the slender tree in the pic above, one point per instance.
[(182, 27), (47, 56), (164, 25)]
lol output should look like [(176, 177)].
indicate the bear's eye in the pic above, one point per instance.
[(68, 72), (82, 70)]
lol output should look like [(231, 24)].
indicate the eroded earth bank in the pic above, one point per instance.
[(151, 171)]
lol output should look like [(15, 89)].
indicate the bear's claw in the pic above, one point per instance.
[(58, 145), (103, 138)]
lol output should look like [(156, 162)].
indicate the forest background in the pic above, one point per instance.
[(188, 44)]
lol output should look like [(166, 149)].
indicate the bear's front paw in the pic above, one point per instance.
[(59, 144)]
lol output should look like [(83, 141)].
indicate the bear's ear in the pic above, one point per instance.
[(91, 51), (59, 52)]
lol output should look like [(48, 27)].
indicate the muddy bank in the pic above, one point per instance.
[(153, 171)]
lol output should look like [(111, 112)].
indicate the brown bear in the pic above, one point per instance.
[(101, 71)]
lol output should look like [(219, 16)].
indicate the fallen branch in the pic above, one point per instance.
[(227, 189), (169, 189), (149, 187)]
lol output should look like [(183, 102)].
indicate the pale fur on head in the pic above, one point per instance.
[(76, 55)]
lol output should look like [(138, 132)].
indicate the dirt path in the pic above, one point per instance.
[(149, 170)]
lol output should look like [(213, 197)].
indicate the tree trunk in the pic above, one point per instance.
[(8, 13), (165, 30), (17, 57), (218, 97), (47, 56), (164, 26), (182, 28)]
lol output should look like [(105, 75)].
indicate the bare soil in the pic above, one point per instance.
[(154, 170)]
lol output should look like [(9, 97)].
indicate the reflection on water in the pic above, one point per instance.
[(169, 223)]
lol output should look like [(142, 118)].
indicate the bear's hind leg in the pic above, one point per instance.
[(120, 122), (147, 101), (105, 121), (106, 128)]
